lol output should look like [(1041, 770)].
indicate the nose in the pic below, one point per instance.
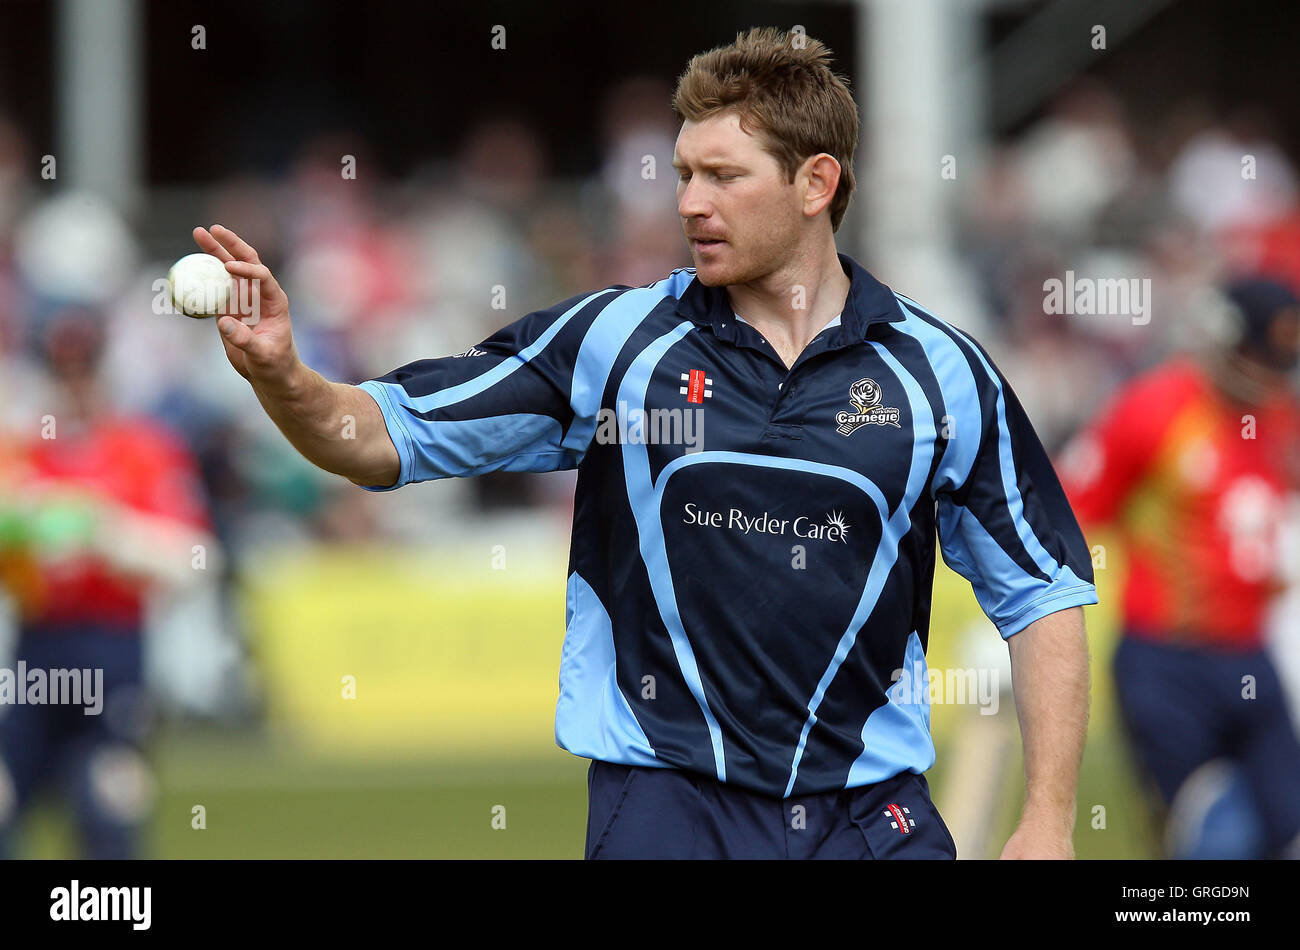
[(692, 202)]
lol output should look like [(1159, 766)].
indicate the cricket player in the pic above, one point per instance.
[(100, 511), (1196, 461), (766, 445)]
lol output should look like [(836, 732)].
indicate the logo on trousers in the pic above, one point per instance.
[(901, 820)]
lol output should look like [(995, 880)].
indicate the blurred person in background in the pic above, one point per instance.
[(1235, 182), (1195, 461), (640, 237), (1084, 141), (96, 510), (1233, 175)]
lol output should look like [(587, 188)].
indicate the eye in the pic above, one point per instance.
[(727, 177)]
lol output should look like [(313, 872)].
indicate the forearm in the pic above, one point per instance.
[(334, 426), (1049, 664)]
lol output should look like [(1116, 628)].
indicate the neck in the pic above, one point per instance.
[(792, 304)]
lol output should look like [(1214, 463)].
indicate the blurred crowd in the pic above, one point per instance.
[(1189, 201)]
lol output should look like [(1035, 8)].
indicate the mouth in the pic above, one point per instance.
[(706, 244)]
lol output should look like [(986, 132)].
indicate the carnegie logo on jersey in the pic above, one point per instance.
[(864, 396)]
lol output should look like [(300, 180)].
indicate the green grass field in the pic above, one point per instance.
[(264, 800)]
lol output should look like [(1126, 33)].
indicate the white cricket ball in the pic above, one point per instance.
[(200, 285)]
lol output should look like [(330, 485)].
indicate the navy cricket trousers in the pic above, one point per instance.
[(640, 812), (1183, 706), (60, 745)]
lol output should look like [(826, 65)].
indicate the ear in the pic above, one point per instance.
[(820, 176)]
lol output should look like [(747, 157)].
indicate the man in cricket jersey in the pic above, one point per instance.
[(738, 602)]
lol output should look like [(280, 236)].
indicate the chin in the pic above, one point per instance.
[(714, 274), (710, 276)]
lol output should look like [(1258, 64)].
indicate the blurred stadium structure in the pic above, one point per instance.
[(1003, 144)]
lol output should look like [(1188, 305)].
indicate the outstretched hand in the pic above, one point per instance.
[(255, 331)]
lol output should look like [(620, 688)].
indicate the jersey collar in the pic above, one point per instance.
[(869, 302)]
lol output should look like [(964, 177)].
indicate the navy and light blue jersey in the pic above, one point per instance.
[(753, 545)]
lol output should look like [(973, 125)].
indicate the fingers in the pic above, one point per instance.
[(239, 249), (210, 244), (265, 280), (237, 334)]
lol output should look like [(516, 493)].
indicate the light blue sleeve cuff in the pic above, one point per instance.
[(1076, 596), (396, 431)]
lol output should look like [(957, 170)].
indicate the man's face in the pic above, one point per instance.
[(741, 216)]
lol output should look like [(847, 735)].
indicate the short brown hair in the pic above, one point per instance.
[(784, 89)]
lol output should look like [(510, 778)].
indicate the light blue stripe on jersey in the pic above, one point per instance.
[(1067, 590), (443, 448), (892, 530), (520, 442), (1010, 597), (606, 337), (449, 448), (397, 431), (897, 733), (1010, 484), (1004, 591), (592, 716), (1001, 586), (960, 395), (489, 378), (1011, 489), (645, 509)]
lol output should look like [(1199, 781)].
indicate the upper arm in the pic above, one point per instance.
[(1005, 523)]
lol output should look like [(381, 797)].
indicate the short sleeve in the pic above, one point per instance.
[(1008, 528)]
